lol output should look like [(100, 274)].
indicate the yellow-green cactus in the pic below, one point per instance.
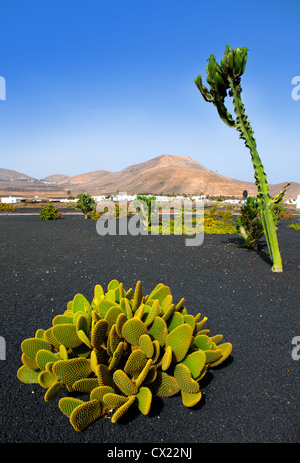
[(69, 371), (121, 349), (144, 400), (122, 409), (180, 340), (133, 329), (146, 345), (135, 363), (85, 414)]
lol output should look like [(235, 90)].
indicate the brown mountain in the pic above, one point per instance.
[(57, 178), (13, 183), (165, 174)]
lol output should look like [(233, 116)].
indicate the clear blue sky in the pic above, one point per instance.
[(94, 84)]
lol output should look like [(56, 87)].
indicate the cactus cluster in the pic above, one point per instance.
[(121, 349)]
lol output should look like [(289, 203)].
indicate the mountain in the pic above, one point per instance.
[(165, 174), (8, 175), (13, 183), (56, 178)]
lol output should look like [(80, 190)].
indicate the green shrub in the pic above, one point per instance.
[(94, 215), (295, 226), (146, 206), (114, 211), (215, 222), (249, 224), (7, 207), (50, 212), (219, 226), (121, 349)]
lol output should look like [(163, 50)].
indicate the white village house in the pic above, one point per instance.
[(12, 200)]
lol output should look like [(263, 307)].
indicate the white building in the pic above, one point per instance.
[(99, 198), (12, 200), (66, 200), (124, 197)]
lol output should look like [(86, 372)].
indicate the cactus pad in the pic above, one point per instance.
[(144, 399), (53, 391), (122, 409), (146, 345), (98, 333), (68, 404), (195, 362), (25, 375), (99, 392), (190, 399), (31, 346), (164, 385), (133, 329), (124, 383), (121, 349), (135, 363), (180, 340), (184, 378), (80, 303), (46, 379), (85, 414), (66, 334), (69, 371), (158, 330), (113, 400)]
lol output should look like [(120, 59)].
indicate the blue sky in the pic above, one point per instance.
[(94, 84)]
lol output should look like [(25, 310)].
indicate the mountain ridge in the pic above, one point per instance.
[(163, 174)]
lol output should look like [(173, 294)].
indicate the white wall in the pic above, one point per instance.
[(9, 200)]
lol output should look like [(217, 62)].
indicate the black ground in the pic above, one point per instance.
[(253, 397)]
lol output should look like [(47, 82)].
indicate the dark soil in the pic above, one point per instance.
[(253, 397)]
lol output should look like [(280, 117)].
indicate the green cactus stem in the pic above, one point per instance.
[(227, 77)]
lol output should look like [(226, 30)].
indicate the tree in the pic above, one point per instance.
[(85, 204)]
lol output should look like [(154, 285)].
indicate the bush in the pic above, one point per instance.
[(7, 207), (295, 226), (50, 212), (114, 211), (215, 222), (219, 221), (146, 206), (121, 349), (219, 226), (285, 214), (249, 224)]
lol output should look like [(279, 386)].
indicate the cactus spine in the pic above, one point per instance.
[(222, 78)]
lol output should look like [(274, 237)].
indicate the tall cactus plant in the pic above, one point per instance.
[(226, 77)]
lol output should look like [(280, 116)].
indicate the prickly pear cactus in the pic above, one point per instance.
[(121, 349)]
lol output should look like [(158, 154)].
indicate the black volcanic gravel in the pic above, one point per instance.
[(253, 397)]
